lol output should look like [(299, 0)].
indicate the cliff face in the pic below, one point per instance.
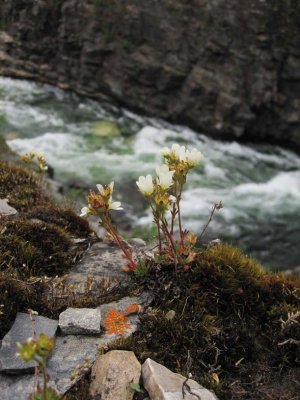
[(225, 67)]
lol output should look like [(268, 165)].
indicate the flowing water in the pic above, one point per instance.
[(258, 185)]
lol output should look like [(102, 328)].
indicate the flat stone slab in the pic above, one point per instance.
[(70, 352), (21, 330), (102, 262), (80, 321), (163, 384), (5, 209)]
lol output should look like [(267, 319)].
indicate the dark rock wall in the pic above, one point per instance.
[(230, 68)]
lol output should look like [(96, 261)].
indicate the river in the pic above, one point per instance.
[(83, 140)]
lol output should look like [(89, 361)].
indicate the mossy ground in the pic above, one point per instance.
[(228, 321), (22, 188), (35, 243), (233, 321)]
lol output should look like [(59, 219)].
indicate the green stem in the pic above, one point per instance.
[(43, 365)]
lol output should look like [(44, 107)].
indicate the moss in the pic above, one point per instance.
[(47, 252), (225, 307), (18, 255), (65, 218), (284, 320), (80, 391), (20, 187), (15, 295)]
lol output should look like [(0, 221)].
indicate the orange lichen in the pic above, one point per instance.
[(116, 323), (133, 309)]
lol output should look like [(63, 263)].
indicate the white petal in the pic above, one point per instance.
[(116, 205), (165, 151), (162, 169), (84, 211), (145, 184), (100, 188)]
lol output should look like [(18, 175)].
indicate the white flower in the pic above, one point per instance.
[(164, 176), (145, 184), (193, 157), (176, 152), (166, 151), (105, 190), (115, 205), (84, 211), (179, 152), (162, 169)]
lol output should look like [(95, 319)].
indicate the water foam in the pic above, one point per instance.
[(259, 185)]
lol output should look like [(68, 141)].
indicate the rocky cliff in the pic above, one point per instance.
[(225, 67)]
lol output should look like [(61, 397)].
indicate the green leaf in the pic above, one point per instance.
[(136, 387)]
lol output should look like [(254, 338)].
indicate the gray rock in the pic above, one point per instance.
[(21, 330), (6, 209), (163, 384), (69, 355), (112, 375), (71, 352), (16, 387), (123, 308), (137, 242), (102, 262), (56, 189), (80, 321)]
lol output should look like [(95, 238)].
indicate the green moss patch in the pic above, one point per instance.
[(35, 243), (228, 320), (15, 295), (21, 187), (34, 248), (62, 217)]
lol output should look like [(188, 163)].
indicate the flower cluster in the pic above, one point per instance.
[(32, 349), (181, 160), (37, 159), (164, 193), (38, 350), (101, 204)]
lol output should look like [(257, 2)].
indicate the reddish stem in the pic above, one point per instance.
[(115, 234), (169, 236), (178, 199)]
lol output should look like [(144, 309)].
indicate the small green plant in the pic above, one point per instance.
[(142, 268), (136, 387), (38, 350)]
